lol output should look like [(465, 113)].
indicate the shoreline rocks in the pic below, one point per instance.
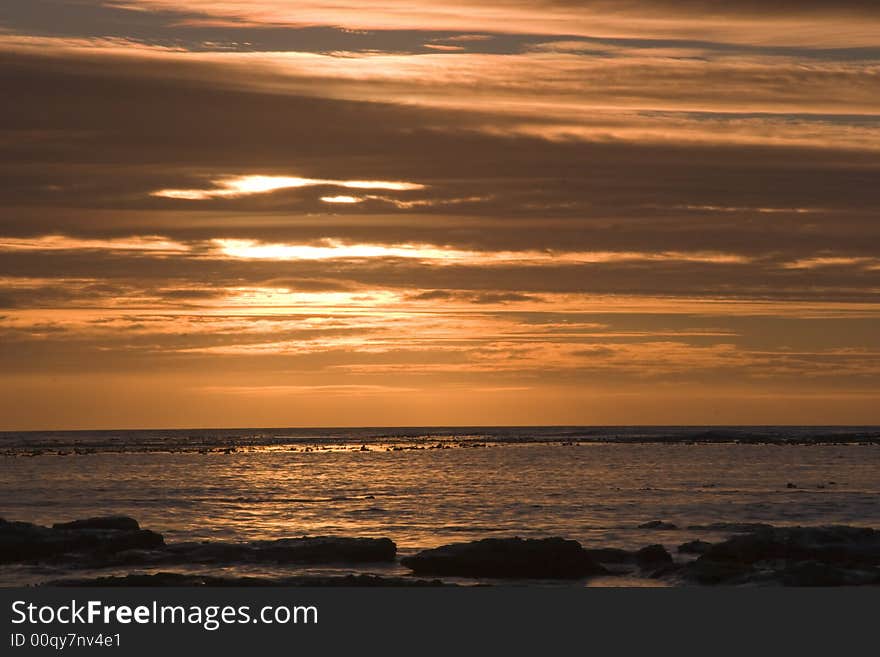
[(838, 544), (26, 542), (506, 558), (652, 557), (119, 523), (326, 549), (658, 524), (792, 556), (115, 541), (163, 579), (753, 554), (732, 527), (694, 547)]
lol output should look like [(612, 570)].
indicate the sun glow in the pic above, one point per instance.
[(329, 249), (237, 186)]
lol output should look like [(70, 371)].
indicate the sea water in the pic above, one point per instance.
[(426, 487)]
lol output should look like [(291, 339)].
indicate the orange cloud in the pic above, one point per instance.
[(829, 25), (237, 186)]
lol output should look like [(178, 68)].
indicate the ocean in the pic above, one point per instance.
[(425, 487)]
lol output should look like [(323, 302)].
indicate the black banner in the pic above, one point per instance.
[(512, 620)]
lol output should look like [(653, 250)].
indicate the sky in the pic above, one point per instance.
[(448, 212)]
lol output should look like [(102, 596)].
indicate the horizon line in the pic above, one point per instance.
[(456, 426)]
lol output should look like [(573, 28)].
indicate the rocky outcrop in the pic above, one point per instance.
[(119, 541), (753, 554), (792, 556), (704, 571), (22, 541), (658, 524), (694, 547), (119, 523), (325, 549), (845, 545), (732, 527), (184, 579), (304, 550), (549, 558), (653, 556), (813, 573), (610, 555)]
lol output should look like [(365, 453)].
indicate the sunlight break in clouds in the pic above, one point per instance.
[(334, 249), (833, 261), (151, 243), (237, 186), (330, 249), (838, 24), (588, 201)]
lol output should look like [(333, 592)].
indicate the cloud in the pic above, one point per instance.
[(239, 207), (247, 185), (147, 244), (814, 24)]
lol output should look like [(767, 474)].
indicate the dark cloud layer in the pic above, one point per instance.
[(549, 211)]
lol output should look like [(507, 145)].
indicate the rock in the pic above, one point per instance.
[(706, 571), (22, 541), (667, 570), (120, 523), (325, 549), (163, 579), (657, 524), (214, 552), (813, 573), (610, 555), (653, 556), (548, 558), (790, 485), (792, 556), (694, 547), (306, 550), (733, 527), (853, 545)]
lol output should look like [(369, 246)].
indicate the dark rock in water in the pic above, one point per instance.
[(852, 545), (706, 571), (325, 549), (100, 541), (306, 550), (20, 541), (653, 556), (694, 547), (120, 523), (548, 558), (666, 570), (23, 541), (610, 555), (732, 527), (813, 573), (657, 524), (205, 553), (792, 556), (182, 579)]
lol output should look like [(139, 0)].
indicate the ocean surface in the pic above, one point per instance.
[(424, 487)]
